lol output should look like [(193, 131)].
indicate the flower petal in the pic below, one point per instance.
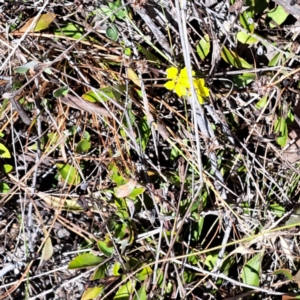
[(170, 85), (180, 90), (200, 99), (184, 82), (200, 87), (184, 78), (184, 73), (172, 73)]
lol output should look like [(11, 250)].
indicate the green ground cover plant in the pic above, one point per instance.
[(149, 149)]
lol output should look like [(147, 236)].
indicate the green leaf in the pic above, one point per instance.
[(121, 14), (16, 85), (227, 264), (92, 293), (198, 229), (127, 52), (277, 209), (4, 188), (73, 30), (62, 91), (68, 173), (246, 208), (188, 276), (73, 130), (112, 32), (252, 269), (161, 278), (245, 38), (233, 59), (83, 146), (141, 293), (175, 153), (132, 119), (241, 81), (7, 168), (282, 140), (125, 291), (84, 261), (281, 127), (245, 18), (115, 176), (52, 138), (145, 132), (285, 272), (115, 269), (109, 11), (124, 236), (121, 231), (105, 249), (104, 11), (99, 273), (276, 60), (294, 218), (44, 21), (98, 96), (24, 68), (290, 117), (203, 47), (211, 260), (262, 102), (136, 192), (86, 135), (105, 93), (142, 275), (278, 15), (4, 152)]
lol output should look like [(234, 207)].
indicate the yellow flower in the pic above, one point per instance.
[(178, 84), (200, 89)]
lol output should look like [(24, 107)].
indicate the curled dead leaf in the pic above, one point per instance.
[(291, 152), (297, 278), (125, 189), (81, 104), (133, 77), (47, 251), (43, 22)]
